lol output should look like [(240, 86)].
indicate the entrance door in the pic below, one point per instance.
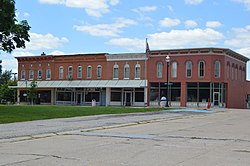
[(79, 98), (128, 98), (216, 99)]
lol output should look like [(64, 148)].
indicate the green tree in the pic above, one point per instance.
[(12, 34), (0, 67), (5, 77), (7, 94), (32, 94)]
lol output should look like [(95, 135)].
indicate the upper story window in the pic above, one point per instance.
[(201, 69), (240, 74), (31, 74), (61, 72), (99, 71), (39, 74), (232, 71), (188, 69), (115, 71), (70, 72), (174, 70), (48, 74), (217, 69), (79, 72), (137, 71), (228, 70), (126, 71), (236, 72), (89, 71), (243, 73), (159, 69), (23, 75)]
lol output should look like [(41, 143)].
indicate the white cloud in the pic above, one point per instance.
[(245, 2), (190, 24), (112, 30), (114, 2), (142, 10), (244, 51), (213, 24), (22, 53), (173, 39), (94, 8), (135, 43), (168, 22), (56, 52), (170, 8), (240, 38), (9, 64), (47, 41), (193, 2), (147, 8), (26, 14)]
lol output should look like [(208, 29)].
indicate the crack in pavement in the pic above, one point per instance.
[(208, 138), (38, 157)]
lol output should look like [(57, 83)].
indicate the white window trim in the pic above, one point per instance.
[(89, 71), (79, 75)]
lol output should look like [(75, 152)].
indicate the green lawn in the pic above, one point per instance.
[(10, 114)]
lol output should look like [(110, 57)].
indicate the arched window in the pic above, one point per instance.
[(174, 70), (240, 74), (115, 71), (89, 71), (228, 70), (201, 69), (126, 71), (79, 72), (137, 71), (48, 74), (243, 74), (159, 69), (217, 69), (232, 71), (23, 75), (70, 72), (188, 69), (236, 72), (99, 71), (61, 72)]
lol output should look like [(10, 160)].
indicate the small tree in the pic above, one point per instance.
[(32, 94)]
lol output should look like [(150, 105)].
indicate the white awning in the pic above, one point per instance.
[(85, 84)]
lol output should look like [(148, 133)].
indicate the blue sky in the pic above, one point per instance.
[(119, 26)]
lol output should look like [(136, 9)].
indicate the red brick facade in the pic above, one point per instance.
[(229, 89)]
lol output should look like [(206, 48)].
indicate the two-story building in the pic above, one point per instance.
[(196, 77)]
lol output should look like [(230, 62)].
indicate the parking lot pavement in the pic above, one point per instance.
[(221, 138)]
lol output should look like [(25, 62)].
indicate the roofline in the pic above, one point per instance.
[(225, 50), (86, 54)]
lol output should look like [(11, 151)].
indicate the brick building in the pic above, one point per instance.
[(195, 77)]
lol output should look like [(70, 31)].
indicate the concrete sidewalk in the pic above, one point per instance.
[(206, 139)]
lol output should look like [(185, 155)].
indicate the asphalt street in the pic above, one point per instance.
[(177, 139)]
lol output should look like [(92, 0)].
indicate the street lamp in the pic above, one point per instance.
[(167, 61)]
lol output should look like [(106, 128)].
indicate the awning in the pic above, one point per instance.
[(85, 84)]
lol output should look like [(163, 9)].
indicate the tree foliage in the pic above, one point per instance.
[(12, 34), (7, 94), (32, 94)]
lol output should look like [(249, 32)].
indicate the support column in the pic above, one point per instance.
[(53, 97), (108, 95), (18, 96), (183, 94), (146, 102)]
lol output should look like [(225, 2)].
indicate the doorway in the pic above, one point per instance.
[(216, 99), (79, 98), (127, 99)]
